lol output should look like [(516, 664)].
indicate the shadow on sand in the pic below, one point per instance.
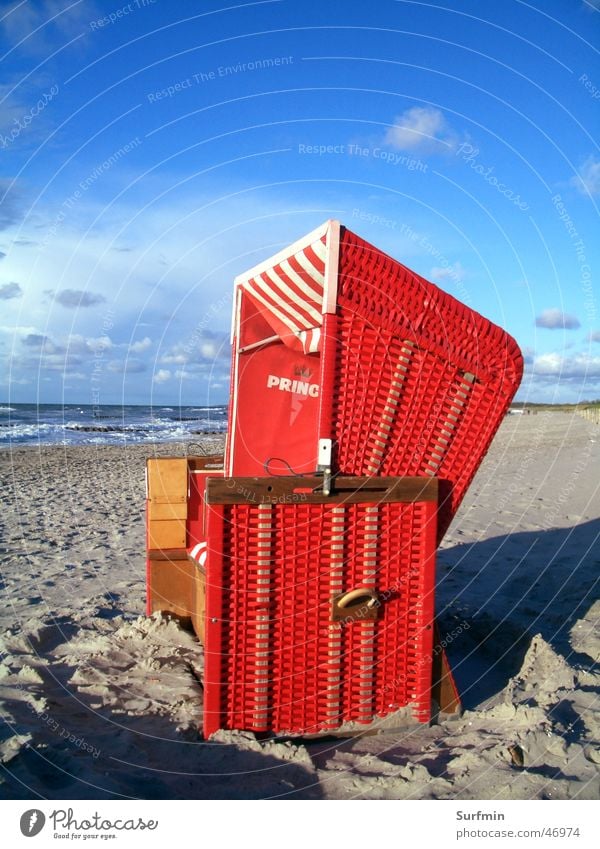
[(509, 588), (73, 749)]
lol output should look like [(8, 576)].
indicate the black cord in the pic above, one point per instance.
[(198, 448), (279, 460), (317, 474)]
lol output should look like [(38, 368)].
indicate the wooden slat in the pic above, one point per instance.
[(171, 587), (199, 602), (167, 479), (167, 502), (305, 490), (158, 511), (212, 462), (168, 554), (166, 534)]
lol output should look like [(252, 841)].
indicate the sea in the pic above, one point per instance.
[(84, 424)]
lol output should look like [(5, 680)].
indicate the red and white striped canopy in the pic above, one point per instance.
[(289, 293)]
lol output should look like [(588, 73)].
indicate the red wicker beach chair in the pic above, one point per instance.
[(363, 399)]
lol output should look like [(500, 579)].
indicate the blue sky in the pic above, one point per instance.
[(150, 151)]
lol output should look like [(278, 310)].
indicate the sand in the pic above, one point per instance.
[(98, 701)]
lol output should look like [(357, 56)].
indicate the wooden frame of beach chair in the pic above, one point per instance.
[(175, 519)]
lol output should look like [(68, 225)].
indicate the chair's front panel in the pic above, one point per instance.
[(318, 614)]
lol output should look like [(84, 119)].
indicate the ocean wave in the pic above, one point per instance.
[(25, 431), (79, 433), (7, 410), (87, 425)]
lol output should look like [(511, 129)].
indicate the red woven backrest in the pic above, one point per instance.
[(422, 382)]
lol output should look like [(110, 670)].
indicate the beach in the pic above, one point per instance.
[(99, 701)]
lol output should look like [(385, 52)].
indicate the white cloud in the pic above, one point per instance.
[(74, 343), (162, 375), (78, 298), (82, 345), (556, 366), (13, 381), (42, 25), (61, 355), (555, 319), (588, 180), (174, 359), (595, 334), (141, 345), (528, 354), (9, 291), (127, 366), (11, 208), (57, 361), (203, 346), (17, 330), (423, 129), (24, 112), (208, 350), (43, 343), (454, 272)]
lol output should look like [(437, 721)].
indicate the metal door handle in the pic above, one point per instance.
[(360, 592)]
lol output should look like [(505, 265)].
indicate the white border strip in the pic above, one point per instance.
[(285, 253), (235, 340), (332, 261)]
